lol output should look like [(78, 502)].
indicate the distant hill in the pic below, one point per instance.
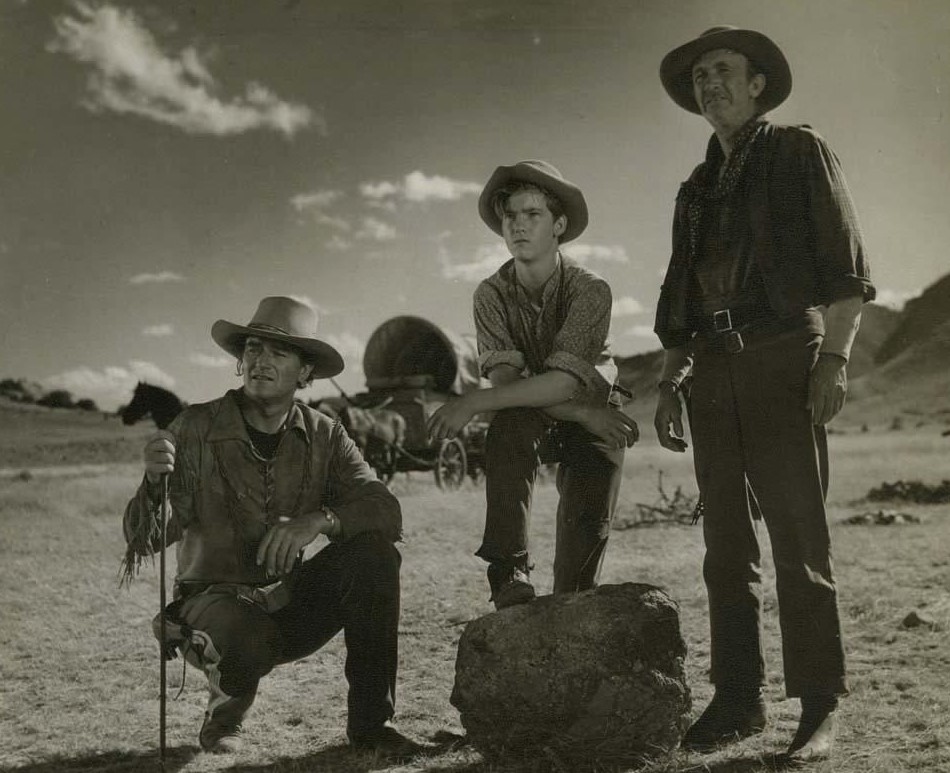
[(877, 325), (920, 318)]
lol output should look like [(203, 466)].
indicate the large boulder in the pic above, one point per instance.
[(597, 675)]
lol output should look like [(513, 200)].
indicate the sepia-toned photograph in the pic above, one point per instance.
[(468, 386)]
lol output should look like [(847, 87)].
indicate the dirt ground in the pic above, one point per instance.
[(79, 667)]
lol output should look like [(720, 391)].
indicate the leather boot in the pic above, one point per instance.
[(221, 730), (730, 716), (815, 737), (509, 586)]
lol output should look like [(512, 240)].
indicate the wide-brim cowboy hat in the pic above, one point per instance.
[(282, 319), (676, 70), (545, 176)]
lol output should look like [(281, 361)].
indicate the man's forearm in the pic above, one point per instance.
[(841, 326), (569, 410), (542, 391), (676, 364)]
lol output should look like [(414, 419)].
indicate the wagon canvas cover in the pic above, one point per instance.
[(411, 351)]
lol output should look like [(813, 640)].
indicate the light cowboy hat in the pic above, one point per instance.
[(286, 320), (545, 176), (676, 70)]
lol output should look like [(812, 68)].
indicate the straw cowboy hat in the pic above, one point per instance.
[(286, 320), (545, 176), (676, 70)]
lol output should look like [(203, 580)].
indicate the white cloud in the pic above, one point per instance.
[(379, 190), (419, 187), (210, 360), (626, 306), (335, 222), (337, 243), (351, 347), (112, 385), (583, 253), (895, 299), (315, 200), (488, 259), (158, 331), (642, 331), (377, 230), (160, 277), (130, 73)]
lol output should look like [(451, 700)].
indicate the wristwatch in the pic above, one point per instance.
[(670, 384)]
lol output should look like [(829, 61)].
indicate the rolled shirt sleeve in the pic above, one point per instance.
[(495, 344)]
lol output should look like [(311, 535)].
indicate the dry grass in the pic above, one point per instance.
[(79, 669)]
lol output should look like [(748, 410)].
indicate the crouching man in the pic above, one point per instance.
[(254, 478)]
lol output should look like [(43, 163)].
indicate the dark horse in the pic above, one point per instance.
[(147, 399)]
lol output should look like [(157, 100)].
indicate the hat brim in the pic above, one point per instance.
[(327, 361), (676, 70), (570, 196)]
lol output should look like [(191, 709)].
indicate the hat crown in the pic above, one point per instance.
[(720, 28), (277, 314), (542, 166)]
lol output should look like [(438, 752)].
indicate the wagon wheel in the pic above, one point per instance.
[(451, 464)]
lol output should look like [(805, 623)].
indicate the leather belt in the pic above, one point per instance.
[(753, 331), (726, 320)]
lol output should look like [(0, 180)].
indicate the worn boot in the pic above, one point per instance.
[(815, 737), (731, 715), (509, 585), (221, 730)]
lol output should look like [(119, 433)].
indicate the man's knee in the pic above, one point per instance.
[(373, 561)]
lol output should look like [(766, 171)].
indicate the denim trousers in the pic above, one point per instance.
[(751, 430), (351, 586), (588, 482)]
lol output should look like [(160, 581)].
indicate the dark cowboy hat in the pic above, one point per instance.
[(286, 320), (676, 70), (545, 176)]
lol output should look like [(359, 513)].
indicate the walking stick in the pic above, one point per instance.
[(161, 627)]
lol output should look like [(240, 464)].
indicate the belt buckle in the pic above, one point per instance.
[(733, 342), (722, 321)]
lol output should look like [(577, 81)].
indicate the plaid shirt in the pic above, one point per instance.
[(567, 332)]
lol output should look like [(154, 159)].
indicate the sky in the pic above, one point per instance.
[(166, 164)]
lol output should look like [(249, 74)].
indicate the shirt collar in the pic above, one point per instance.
[(551, 285), (228, 422)]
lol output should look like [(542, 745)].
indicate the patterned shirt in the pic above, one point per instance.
[(567, 331)]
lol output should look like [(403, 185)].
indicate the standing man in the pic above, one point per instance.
[(542, 323), (254, 478), (764, 232)]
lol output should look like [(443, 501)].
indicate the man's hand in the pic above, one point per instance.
[(159, 455), (286, 538), (668, 420), (614, 427), (449, 420), (827, 388)]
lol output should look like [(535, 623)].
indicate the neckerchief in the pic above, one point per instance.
[(707, 187)]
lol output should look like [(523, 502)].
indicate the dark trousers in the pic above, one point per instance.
[(588, 481), (750, 424), (353, 586)]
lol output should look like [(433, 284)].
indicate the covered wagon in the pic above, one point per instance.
[(413, 366)]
